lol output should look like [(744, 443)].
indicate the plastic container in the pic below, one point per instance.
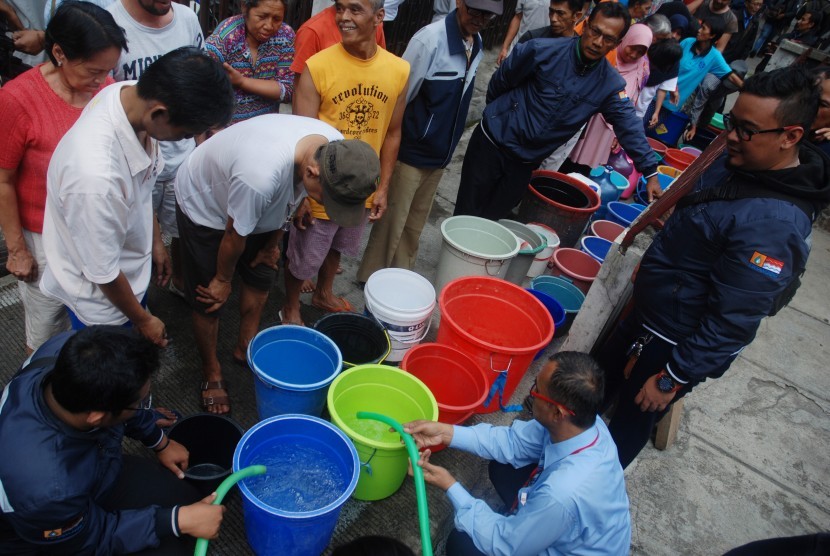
[(606, 229), (457, 382), (678, 159), (388, 391), (563, 291), (623, 214), (560, 202), (211, 440), (276, 530), (673, 173), (498, 324), (360, 339), (557, 313), (581, 268), (402, 301), (703, 137), (641, 195), (612, 184), (540, 262), (596, 247), (670, 127), (531, 244), (691, 150), (294, 366), (657, 146), (717, 121), (474, 246)]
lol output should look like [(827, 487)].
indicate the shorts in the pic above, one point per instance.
[(307, 249), (164, 207), (200, 250), (43, 316)]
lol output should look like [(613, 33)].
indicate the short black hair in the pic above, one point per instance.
[(254, 3), (821, 72), (573, 5), (717, 27), (637, 2), (796, 89), (194, 88), (664, 54), (578, 384), (82, 30), (374, 545), (102, 368), (612, 10)]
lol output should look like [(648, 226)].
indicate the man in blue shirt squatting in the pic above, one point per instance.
[(540, 96), (558, 474), (65, 486)]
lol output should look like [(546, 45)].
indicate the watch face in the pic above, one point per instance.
[(665, 383)]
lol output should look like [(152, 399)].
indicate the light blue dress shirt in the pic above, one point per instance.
[(577, 504)]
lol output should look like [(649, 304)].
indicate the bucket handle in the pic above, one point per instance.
[(419, 338), (510, 362), (498, 387), (487, 266), (367, 465)]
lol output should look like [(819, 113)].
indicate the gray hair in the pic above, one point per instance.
[(376, 5), (659, 24)]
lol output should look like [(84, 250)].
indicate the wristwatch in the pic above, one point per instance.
[(666, 384)]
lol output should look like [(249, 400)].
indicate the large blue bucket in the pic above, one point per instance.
[(557, 313), (312, 470), (294, 366), (562, 290), (623, 214)]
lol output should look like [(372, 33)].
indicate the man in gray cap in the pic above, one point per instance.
[(235, 196)]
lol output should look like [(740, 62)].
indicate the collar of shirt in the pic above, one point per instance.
[(557, 451), (137, 158)]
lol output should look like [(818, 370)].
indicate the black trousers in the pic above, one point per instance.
[(492, 182), (507, 480)]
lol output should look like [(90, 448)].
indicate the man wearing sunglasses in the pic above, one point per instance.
[(65, 486), (558, 474), (730, 255), (541, 95)]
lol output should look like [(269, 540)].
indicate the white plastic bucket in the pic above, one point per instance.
[(540, 263), (402, 301), (474, 246)]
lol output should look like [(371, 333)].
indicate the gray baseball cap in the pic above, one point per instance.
[(349, 174)]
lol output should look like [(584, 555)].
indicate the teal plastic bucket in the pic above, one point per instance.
[(294, 366), (562, 290), (387, 391), (530, 245), (474, 246), (312, 469)]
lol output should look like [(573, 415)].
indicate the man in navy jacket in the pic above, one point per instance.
[(538, 98), (65, 487), (730, 255), (443, 58)]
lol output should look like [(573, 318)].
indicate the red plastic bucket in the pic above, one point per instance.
[(606, 229), (497, 324), (581, 268), (678, 159), (457, 382), (657, 146), (560, 202)]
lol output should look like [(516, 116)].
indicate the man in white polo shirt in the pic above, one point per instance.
[(235, 195), (99, 234)]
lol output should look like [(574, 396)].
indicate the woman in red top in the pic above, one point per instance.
[(83, 43)]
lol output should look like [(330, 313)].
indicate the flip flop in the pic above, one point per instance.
[(209, 401), (346, 306), (282, 321)]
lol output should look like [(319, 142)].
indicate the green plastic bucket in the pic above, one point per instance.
[(388, 391)]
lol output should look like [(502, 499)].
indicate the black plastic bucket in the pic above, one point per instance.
[(360, 338), (211, 440)]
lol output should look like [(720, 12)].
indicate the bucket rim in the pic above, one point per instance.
[(565, 251), (344, 496), (473, 365), (533, 250), (370, 299), (356, 437), (560, 283), (593, 200), (458, 246), (488, 345), (348, 364), (547, 228), (537, 293), (271, 381)]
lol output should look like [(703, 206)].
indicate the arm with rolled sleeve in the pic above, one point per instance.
[(618, 110), (741, 296), (513, 71)]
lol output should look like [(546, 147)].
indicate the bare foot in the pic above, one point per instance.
[(331, 303), (169, 418), (291, 316), (307, 287), (339, 270)]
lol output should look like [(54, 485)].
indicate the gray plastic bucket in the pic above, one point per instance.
[(530, 244), (474, 246)]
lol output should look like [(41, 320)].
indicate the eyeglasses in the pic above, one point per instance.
[(480, 14), (144, 405), (745, 134), (534, 393), (607, 39)]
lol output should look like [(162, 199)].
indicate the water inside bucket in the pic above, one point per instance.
[(205, 471), (560, 192), (300, 478)]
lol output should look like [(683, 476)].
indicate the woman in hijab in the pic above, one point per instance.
[(596, 144)]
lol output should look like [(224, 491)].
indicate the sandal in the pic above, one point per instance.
[(209, 401), (345, 306)]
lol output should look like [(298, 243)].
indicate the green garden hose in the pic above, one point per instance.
[(227, 484), (418, 475)]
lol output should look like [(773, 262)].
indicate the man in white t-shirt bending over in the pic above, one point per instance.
[(235, 196), (99, 235)]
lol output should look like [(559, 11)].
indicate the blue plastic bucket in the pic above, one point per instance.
[(312, 470), (670, 127), (563, 291), (622, 213), (597, 247), (641, 194), (294, 366), (557, 313)]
